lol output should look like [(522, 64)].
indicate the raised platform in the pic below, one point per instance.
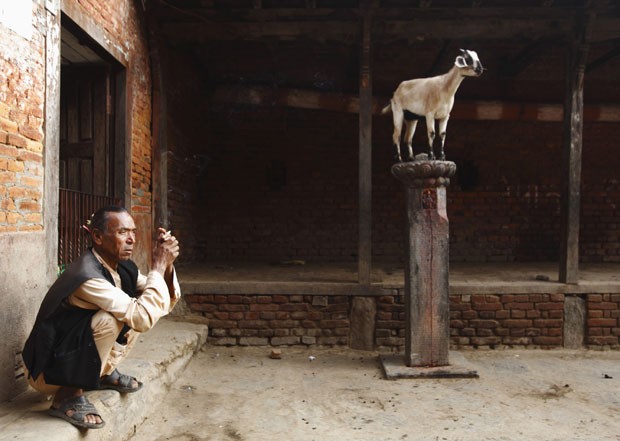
[(341, 278), (157, 359)]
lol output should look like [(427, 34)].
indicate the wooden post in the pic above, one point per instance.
[(427, 302), (160, 126), (365, 154), (571, 157)]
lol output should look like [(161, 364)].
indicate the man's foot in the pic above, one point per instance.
[(78, 411), (122, 383)]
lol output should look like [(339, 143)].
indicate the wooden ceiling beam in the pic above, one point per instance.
[(603, 59), (514, 66), (199, 33), (481, 23), (463, 109)]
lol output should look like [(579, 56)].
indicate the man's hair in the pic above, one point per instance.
[(99, 219)]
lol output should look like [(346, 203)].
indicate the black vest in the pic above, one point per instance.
[(61, 344)]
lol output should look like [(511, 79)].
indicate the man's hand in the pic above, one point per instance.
[(165, 252)]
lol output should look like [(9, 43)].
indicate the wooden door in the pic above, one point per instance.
[(85, 111)]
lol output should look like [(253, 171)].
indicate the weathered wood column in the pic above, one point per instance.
[(427, 338), (365, 152), (571, 153)]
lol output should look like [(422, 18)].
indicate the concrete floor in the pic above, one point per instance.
[(310, 394)]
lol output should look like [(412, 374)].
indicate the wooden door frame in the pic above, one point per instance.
[(79, 23)]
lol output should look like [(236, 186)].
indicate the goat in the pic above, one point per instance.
[(430, 98)]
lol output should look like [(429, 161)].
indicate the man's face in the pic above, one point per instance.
[(117, 241)]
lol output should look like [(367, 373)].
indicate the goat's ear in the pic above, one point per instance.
[(462, 51), (460, 62)]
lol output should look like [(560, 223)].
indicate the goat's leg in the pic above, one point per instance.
[(397, 117), (443, 126), (430, 130), (411, 125)]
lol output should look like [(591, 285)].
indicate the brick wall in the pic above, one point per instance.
[(479, 321), (603, 320), (272, 191), (507, 320), (274, 319), (22, 91), (186, 137), (503, 205)]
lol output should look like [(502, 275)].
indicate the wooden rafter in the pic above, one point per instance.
[(603, 59), (422, 22), (514, 66)]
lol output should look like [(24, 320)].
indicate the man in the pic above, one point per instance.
[(92, 315)]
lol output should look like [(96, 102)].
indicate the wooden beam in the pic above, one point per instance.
[(160, 127), (463, 110), (571, 155), (514, 66), (603, 59), (494, 28), (365, 155), (198, 33), (184, 25)]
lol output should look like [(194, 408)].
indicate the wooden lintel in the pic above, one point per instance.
[(491, 27), (196, 33), (463, 109)]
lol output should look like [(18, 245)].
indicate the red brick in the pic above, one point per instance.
[(253, 324), (547, 341), (224, 324), (548, 323), (483, 323), (516, 323), (550, 305), (290, 307), (264, 307), (602, 322), (522, 306)]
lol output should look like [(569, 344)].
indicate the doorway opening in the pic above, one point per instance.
[(92, 166)]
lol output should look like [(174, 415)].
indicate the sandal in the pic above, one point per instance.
[(119, 382), (80, 407)]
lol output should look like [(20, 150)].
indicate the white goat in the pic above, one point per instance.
[(432, 99)]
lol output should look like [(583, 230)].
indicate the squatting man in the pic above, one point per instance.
[(93, 314)]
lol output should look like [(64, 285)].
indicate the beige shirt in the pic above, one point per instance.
[(140, 313)]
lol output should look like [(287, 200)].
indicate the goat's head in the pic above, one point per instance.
[(469, 63)]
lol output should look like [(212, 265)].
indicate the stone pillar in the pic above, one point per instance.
[(427, 339)]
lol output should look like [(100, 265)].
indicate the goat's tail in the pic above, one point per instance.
[(387, 109)]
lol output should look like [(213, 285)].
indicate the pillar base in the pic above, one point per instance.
[(394, 368)]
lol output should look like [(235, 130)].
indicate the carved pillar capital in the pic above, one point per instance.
[(424, 174)]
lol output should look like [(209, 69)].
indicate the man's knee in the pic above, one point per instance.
[(105, 324)]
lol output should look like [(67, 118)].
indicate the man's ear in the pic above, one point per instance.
[(96, 236)]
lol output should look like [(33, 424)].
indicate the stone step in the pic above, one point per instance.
[(157, 359)]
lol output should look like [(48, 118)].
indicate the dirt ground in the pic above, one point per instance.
[(339, 394)]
